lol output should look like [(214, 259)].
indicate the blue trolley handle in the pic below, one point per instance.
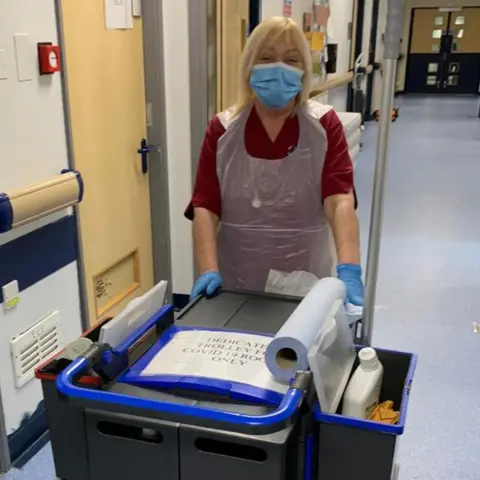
[(268, 423)]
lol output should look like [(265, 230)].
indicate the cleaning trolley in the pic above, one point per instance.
[(107, 420), (149, 394)]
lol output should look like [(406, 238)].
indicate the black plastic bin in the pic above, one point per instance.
[(66, 423), (344, 448)]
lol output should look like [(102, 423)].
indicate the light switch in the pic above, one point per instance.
[(26, 55), (3, 65), (137, 8), (11, 295)]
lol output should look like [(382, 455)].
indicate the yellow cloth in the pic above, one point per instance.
[(384, 413)]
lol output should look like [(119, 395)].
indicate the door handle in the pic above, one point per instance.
[(143, 151)]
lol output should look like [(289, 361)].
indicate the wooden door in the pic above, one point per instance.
[(424, 59), (461, 72), (444, 52), (232, 31), (427, 28), (465, 26), (107, 104)]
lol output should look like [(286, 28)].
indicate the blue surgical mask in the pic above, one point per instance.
[(276, 84)]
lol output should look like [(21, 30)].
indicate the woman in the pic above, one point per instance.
[(274, 178)]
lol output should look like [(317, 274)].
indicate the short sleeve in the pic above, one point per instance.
[(206, 192), (337, 175)]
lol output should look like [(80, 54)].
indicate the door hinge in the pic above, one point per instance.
[(149, 113)]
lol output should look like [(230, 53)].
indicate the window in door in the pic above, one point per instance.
[(454, 67), (452, 80)]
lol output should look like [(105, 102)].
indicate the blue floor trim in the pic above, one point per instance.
[(29, 438), (36, 255), (32, 450)]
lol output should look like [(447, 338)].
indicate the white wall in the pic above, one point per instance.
[(340, 16), (341, 12), (32, 148), (274, 8), (177, 93), (56, 292)]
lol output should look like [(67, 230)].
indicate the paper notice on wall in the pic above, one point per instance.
[(220, 355), (321, 14), (118, 14), (287, 8)]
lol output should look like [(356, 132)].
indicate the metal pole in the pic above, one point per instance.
[(393, 33)]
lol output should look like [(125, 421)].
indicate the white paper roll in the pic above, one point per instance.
[(287, 352)]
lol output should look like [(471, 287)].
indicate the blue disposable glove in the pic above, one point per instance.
[(351, 276), (207, 283)]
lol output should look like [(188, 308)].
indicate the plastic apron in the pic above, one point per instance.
[(272, 213)]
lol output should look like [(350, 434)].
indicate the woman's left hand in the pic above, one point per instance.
[(351, 276)]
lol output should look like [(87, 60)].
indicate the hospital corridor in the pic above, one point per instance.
[(427, 284), (239, 239)]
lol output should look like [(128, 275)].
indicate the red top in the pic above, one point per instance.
[(337, 174)]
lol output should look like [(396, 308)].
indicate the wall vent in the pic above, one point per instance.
[(34, 346)]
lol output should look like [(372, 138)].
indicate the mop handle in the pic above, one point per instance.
[(392, 38)]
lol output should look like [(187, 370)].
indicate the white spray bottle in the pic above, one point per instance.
[(363, 391)]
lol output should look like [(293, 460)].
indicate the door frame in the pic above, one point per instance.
[(71, 163), (372, 58), (356, 44), (255, 14), (154, 65), (202, 28), (409, 46), (202, 32), (5, 461)]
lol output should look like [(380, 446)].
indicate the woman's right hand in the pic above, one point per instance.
[(207, 284)]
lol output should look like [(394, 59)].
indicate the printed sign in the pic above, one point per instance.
[(321, 14), (219, 355), (287, 8)]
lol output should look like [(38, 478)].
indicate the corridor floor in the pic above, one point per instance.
[(429, 279), (429, 282)]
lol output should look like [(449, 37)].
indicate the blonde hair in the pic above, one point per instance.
[(266, 33)]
